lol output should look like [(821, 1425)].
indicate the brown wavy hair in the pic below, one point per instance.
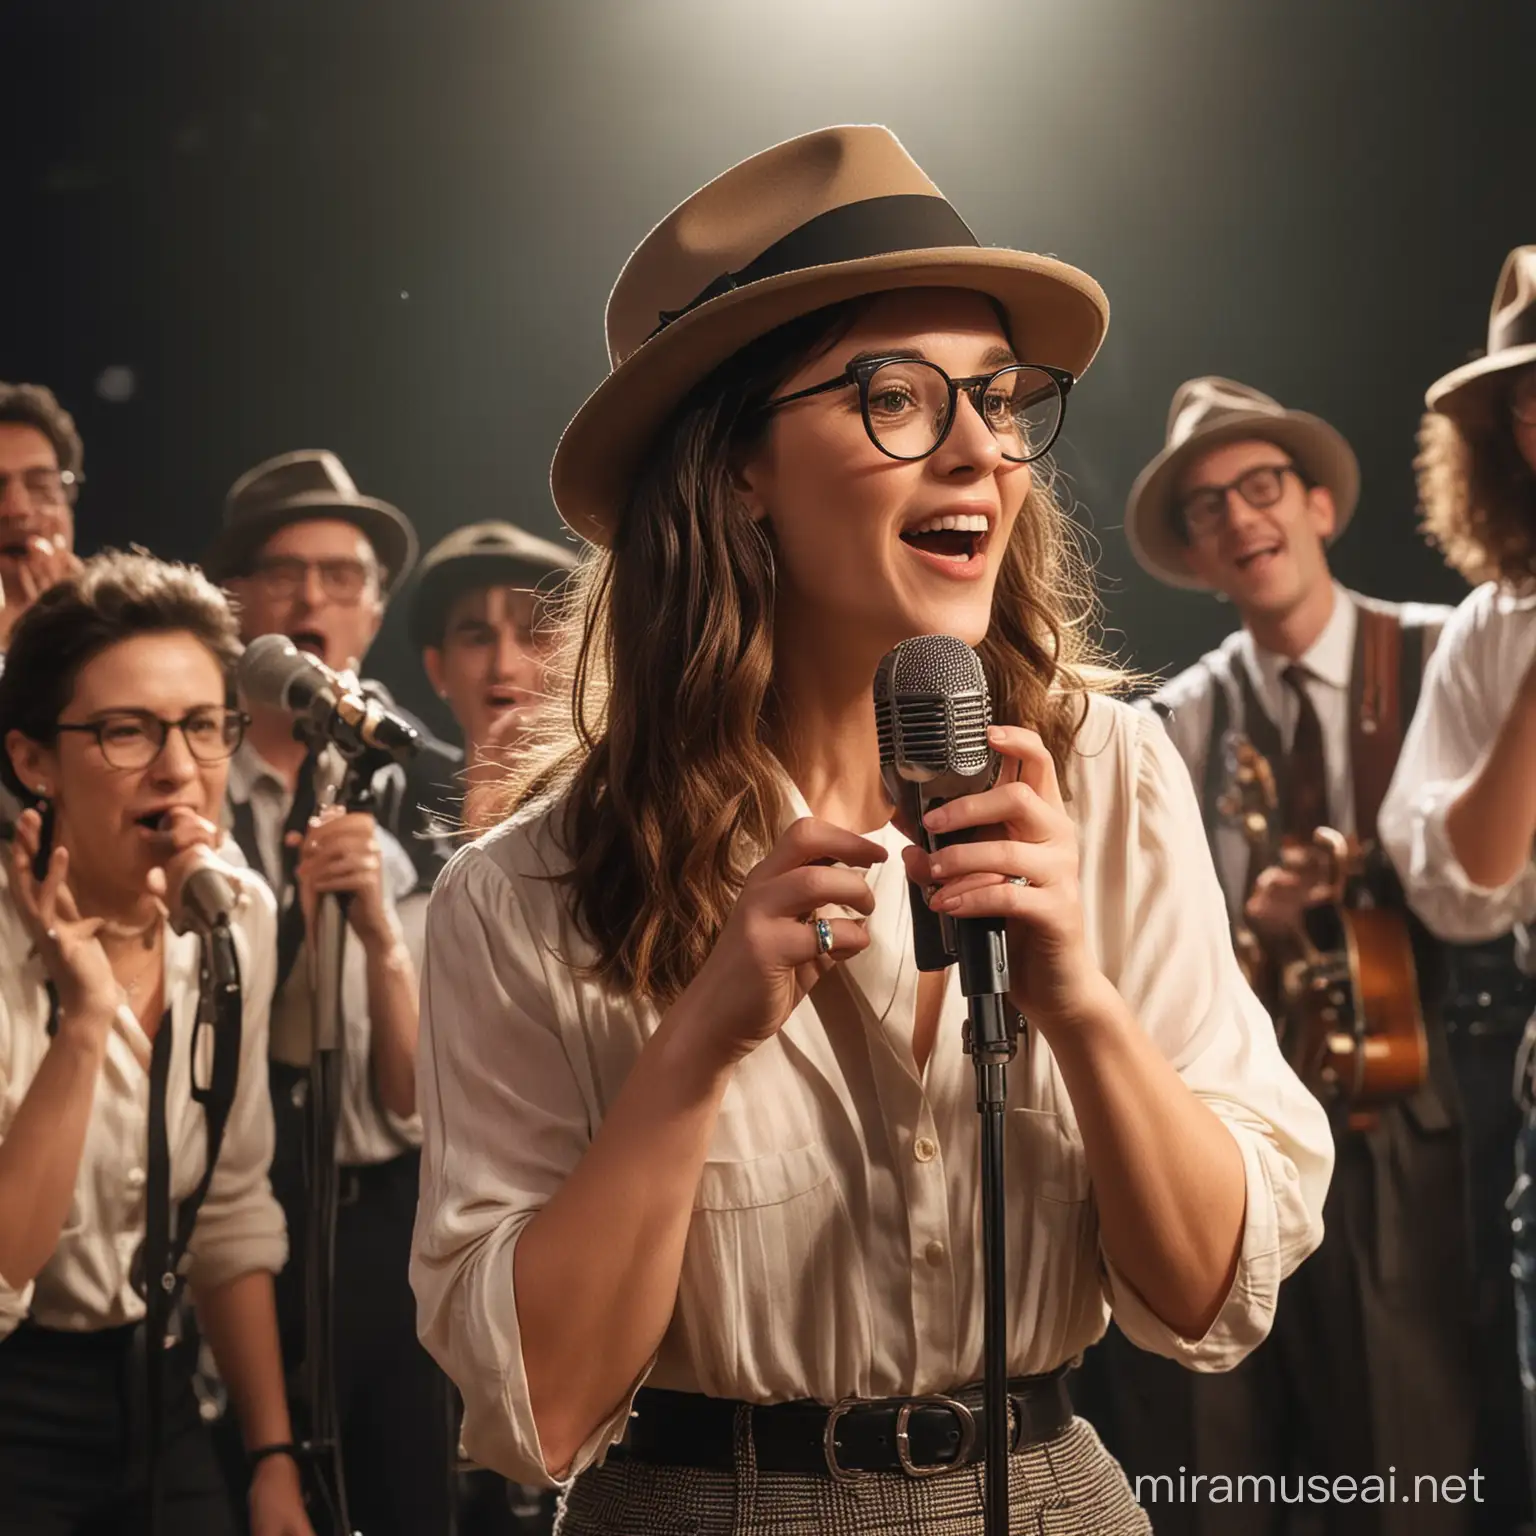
[(1477, 494), (665, 762)]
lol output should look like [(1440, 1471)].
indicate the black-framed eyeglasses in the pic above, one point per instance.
[(44, 487), (134, 738), (909, 404), (1260, 487)]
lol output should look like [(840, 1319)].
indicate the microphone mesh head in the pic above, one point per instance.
[(268, 670), (932, 708)]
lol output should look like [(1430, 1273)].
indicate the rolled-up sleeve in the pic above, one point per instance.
[(1468, 688), (1180, 977), (240, 1227), (505, 1123)]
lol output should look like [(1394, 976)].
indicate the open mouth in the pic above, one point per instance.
[(956, 538), (1257, 558), (14, 551), (310, 640), (505, 698), (159, 819)]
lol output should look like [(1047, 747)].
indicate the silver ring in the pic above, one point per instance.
[(1018, 880), (823, 935)]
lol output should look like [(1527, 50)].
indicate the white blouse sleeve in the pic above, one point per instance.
[(15, 1301), (240, 1227), (1179, 976), (505, 1123), (1468, 689)]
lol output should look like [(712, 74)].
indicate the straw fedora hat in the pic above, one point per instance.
[(825, 217), (299, 487), (1511, 334), (478, 555), (1206, 413)]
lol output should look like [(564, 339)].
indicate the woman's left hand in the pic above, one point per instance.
[(277, 1499), (1024, 830)]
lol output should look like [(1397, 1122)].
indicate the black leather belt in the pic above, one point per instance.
[(917, 1436)]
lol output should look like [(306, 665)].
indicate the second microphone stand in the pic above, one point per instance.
[(344, 772)]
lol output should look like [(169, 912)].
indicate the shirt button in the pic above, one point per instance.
[(135, 1178), (934, 1253), (924, 1148)]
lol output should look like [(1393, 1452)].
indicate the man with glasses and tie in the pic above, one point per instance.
[(1367, 1366), (308, 556)]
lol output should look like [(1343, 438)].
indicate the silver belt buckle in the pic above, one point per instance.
[(840, 1474), (966, 1420)]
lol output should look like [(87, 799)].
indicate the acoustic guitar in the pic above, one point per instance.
[(1342, 983)]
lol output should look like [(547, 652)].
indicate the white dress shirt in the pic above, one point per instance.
[(834, 1248), (1487, 647), (86, 1284), (367, 1132), (1328, 665)]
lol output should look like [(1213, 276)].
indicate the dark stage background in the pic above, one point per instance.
[(387, 228)]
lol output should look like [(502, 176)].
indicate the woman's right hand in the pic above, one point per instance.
[(766, 958), (69, 944)]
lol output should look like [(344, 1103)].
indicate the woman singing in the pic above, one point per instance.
[(117, 733), (701, 1141)]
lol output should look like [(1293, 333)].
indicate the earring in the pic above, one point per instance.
[(42, 791)]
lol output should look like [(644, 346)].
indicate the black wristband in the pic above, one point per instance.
[(286, 1448)]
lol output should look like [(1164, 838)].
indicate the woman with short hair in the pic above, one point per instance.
[(117, 719)]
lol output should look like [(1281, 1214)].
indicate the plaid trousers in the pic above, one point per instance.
[(1070, 1486)]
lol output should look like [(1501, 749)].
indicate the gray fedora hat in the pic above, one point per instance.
[(299, 487), (489, 554)]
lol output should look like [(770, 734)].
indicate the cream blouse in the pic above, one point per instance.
[(835, 1242), (87, 1283)]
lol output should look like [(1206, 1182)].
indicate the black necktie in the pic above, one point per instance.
[(1306, 798)]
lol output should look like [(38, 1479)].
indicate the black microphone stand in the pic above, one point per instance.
[(343, 775), (991, 1039), (979, 948)]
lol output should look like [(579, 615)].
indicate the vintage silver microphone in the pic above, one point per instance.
[(932, 710), (276, 674)]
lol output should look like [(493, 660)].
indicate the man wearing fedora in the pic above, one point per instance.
[(1460, 818), (1367, 1367), (308, 556), (478, 616)]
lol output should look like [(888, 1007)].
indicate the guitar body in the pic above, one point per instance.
[(1352, 1026), (1343, 987)]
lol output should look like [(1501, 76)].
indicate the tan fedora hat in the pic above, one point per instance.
[(299, 487), (1511, 333), (1206, 413), (821, 218)]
